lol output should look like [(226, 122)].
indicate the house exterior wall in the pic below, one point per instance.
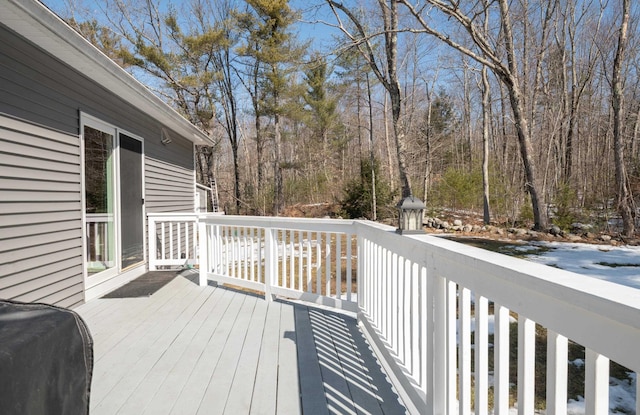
[(38, 88), (41, 233), (168, 188), (40, 215)]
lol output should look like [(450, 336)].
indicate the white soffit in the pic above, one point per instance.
[(35, 22)]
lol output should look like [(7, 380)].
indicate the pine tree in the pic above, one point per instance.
[(274, 52)]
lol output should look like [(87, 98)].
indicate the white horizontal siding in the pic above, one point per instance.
[(40, 215)]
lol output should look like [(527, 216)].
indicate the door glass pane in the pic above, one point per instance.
[(131, 214), (99, 200)]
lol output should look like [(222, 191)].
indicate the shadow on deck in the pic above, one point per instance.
[(214, 350)]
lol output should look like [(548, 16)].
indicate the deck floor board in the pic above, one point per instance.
[(130, 363), (214, 350), (265, 389), (162, 364), (240, 392), (219, 388), (168, 393), (288, 375)]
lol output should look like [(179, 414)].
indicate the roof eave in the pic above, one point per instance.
[(35, 22)]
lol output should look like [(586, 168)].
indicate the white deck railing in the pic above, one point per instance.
[(303, 259), (97, 236), (173, 240), (426, 305)]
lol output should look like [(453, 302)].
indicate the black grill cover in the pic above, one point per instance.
[(46, 360)]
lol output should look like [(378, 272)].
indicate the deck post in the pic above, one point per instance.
[(152, 244), (203, 249), (270, 261)]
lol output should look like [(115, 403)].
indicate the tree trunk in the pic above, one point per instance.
[(393, 87), (467, 160), (372, 159), (532, 184), (236, 176), (388, 77), (625, 199), (427, 135), (510, 78), (278, 196), (486, 122), (259, 152), (636, 133), (396, 109), (358, 113), (235, 146), (387, 142)]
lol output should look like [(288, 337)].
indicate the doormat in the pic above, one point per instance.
[(143, 286)]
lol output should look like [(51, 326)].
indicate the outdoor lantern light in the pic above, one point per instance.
[(410, 215)]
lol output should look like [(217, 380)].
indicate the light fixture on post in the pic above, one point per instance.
[(410, 215)]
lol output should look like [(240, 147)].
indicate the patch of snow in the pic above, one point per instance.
[(575, 406), (591, 260), (622, 397)]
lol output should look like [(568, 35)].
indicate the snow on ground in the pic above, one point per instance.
[(619, 264), (621, 398)]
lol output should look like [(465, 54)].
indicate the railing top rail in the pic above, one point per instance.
[(172, 215), (302, 224), (99, 217), (553, 282)]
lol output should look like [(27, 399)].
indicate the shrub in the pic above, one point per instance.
[(563, 207), (357, 201), (458, 189)]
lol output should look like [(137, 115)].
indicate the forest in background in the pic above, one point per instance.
[(524, 111)]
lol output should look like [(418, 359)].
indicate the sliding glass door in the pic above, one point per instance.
[(99, 179), (131, 201), (113, 200)]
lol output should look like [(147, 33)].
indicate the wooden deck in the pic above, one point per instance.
[(212, 350)]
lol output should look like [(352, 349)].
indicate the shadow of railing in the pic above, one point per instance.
[(338, 370)]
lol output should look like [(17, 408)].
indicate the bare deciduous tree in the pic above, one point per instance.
[(387, 75), (625, 198), (492, 53)]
